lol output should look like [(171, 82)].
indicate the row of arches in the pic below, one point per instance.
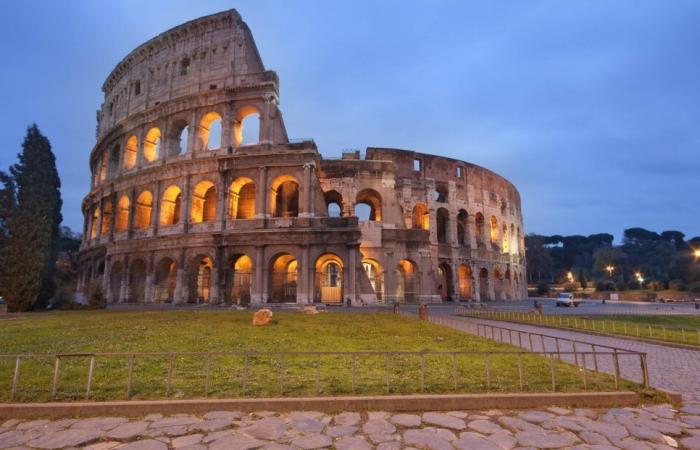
[(208, 134), (242, 192)]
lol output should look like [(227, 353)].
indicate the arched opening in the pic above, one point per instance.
[(104, 164), (137, 281), (506, 240), (201, 279), (144, 206), (241, 196), (494, 230), (497, 284), (151, 145), (210, 129), (445, 286), (166, 279), (283, 282), (375, 275), (421, 218), (407, 281), (204, 202), (462, 238), (484, 285), (479, 228), (334, 203), (507, 286), (122, 222), (170, 206), (441, 193), (179, 137), (113, 168), (246, 129), (372, 210), (443, 220), (464, 278), (116, 275), (130, 152), (284, 197), (329, 279), (95, 222), (106, 217), (513, 240), (239, 278)]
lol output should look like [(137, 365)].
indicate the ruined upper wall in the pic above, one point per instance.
[(212, 52)]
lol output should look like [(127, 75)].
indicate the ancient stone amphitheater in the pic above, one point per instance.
[(199, 196)]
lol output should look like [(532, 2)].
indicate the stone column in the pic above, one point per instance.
[(101, 219), (261, 194), (221, 203), (148, 296), (470, 238), (186, 205), (352, 272), (180, 294), (113, 218), (304, 196), (215, 293), (305, 288), (132, 212), (124, 291), (155, 210), (476, 289), (312, 190), (256, 297), (139, 148), (227, 129), (106, 279), (492, 285), (192, 135)]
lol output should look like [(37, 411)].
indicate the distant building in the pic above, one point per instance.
[(182, 209)]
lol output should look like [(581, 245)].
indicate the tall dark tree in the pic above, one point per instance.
[(30, 215)]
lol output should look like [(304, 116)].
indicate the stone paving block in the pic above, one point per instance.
[(484, 426), (236, 442), (65, 438), (378, 426), (352, 443), (474, 441), (313, 441), (347, 418), (424, 439), (147, 444), (545, 439), (406, 420), (340, 431), (184, 441), (444, 420), (128, 430)]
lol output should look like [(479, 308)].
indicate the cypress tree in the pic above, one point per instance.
[(31, 214)]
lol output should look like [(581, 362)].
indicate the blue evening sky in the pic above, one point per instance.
[(591, 108)]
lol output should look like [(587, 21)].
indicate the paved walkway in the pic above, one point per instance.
[(669, 367), (655, 427)]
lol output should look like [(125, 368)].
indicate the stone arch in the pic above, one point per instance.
[(484, 285), (241, 196), (130, 152), (107, 211), (178, 137), (375, 275), (507, 285), (122, 219), (445, 282), (137, 281), (284, 196), (165, 281), (200, 279), (420, 217), (462, 227), (151, 145), (407, 281), (334, 203), (203, 202), (441, 193), (239, 279), (171, 205), (513, 240), (443, 224), (494, 230), (479, 223), (506, 240), (497, 284), (144, 207), (464, 280), (328, 279), (116, 277), (104, 165), (371, 198), (210, 131), (95, 222), (283, 279), (247, 118), (113, 164)]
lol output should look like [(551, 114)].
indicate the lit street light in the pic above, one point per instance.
[(610, 270), (696, 252)]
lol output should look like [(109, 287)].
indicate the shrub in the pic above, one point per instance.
[(695, 287), (570, 287), (620, 286), (605, 285), (677, 285), (542, 289), (656, 285), (94, 295)]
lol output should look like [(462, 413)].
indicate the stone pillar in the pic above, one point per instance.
[(492, 285), (390, 279), (221, 204), (476, 289), (305, 288), (470, 234), (261, 192), (139, 148), (100, 219), (227, 129), (124, 291), (186, 205), (266, 124), (132, 211), (215, 287), (256, 297), (155, 210), (312, 190), (180, 294), (148, 295), (304, 194), (113, 218), (352, 272), (193, 135), (106, 279), (454, 267)]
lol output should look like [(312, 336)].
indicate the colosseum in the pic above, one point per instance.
[(198, 196)]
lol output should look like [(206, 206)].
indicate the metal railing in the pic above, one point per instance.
[(583, 354), (617, 327)]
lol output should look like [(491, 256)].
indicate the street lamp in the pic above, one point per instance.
[(610, 270), (570, 277), (696, 253), (640, 279)]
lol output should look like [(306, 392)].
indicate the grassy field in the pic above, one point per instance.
[(263, 375), (672, 328)]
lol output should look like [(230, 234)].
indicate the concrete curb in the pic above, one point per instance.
[(457, 402)]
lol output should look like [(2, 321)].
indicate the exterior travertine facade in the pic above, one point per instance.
[(182, 209)]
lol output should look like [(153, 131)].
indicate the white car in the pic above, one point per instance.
[(567, 299)]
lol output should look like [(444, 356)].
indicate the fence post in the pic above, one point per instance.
[(556, 343), (15, 377), (529, 338), (683, 334), (91, 369), (595, 359), (454, 370), (487, 363), (573, 344), (521, 373), (664, 328), (542, 342), (170, 375), (645, 369), (207, 378), (129, 377), (554, 379), (616, 362), (56, 370)]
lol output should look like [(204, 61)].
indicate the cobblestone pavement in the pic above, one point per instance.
[(653, 427), (670, 368)]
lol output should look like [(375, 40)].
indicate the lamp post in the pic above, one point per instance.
[(640, 279), (696, 253), (610, 269)]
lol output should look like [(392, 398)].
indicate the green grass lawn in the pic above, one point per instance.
[(263, 375), (675, 328)]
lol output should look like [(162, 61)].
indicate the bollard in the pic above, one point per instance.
[(423, 311)]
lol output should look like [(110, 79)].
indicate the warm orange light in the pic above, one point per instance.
[(610, 269), (696, 252)]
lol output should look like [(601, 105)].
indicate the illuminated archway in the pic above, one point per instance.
[(144, 207), (106, 217), (328, 281), (170, 206), (122, 222), (497, 284), (166, 279), (116, 276), (204, 202), (210, 131), (494, 230), (407, 281), (464, 277), (200, 279), (421, 218), (137, 281), (284, 196), (375, 275), (445, 285), (246, 129), (241, 196), (443, 223), (506, 240), (151, 144), (283, 282), (239, 279), (130, 152), (479, 228), (95, 222)]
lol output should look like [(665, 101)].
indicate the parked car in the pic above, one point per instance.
[(567, 299)]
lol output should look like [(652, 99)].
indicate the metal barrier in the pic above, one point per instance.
[(583, 354), (623, 328)]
